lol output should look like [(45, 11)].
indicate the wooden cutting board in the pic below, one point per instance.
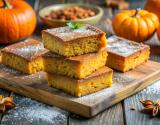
[(124, 85)]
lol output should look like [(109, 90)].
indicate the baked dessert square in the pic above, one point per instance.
[(124, 55), (77, 66), (24, 56), (72, 42), (100, 79)]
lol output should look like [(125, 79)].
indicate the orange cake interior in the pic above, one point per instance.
[(124, 55), (67, 42), (24, 56), (75, 67), (100, 79)]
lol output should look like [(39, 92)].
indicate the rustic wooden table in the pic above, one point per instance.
[(31, 112)]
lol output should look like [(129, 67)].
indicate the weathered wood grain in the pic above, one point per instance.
[(152, 92), (140, 118), (133, 6), (125, 84), (111, 116), (30, 112)]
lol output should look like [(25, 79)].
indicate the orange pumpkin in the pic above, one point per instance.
[(137, 25), (17, 21), (153, 6)]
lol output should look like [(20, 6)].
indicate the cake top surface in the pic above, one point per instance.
[(123, 46), (29, 49), (67, 34), (80, 58), (100, 71)]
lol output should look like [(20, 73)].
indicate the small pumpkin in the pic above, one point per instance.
[(137, 25), (153, 6), (17, 21)]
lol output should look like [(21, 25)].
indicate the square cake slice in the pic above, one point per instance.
[(100, 79), (24, 56), (72, 42), (124, 55), (75, 67)]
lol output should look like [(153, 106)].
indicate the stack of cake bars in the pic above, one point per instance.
[(76, 61)]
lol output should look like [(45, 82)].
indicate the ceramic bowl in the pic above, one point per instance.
[(58, 23)]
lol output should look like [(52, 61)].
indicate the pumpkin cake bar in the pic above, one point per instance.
[(100, 79), (77, 66), (72, 42), (24, 56), (124, 55)]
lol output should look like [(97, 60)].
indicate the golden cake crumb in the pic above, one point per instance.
[(124, 55), (76, 67), (24, 56), (67, 42), (100, 79)]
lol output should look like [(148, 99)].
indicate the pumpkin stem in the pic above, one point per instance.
[(6, 4), (137, 10)]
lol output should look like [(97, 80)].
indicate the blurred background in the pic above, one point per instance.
[(110, 7), (133, 3), (55, 13)]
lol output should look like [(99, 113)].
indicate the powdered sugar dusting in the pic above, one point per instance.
[(119, 81), (39, 75), (29, 49), (29, 112), (67, 34), (153, 89), (122, 46), (15, 74)]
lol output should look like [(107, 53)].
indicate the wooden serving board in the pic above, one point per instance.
[(124, 85)]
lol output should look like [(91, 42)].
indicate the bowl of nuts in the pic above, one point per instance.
[(60, 14)]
